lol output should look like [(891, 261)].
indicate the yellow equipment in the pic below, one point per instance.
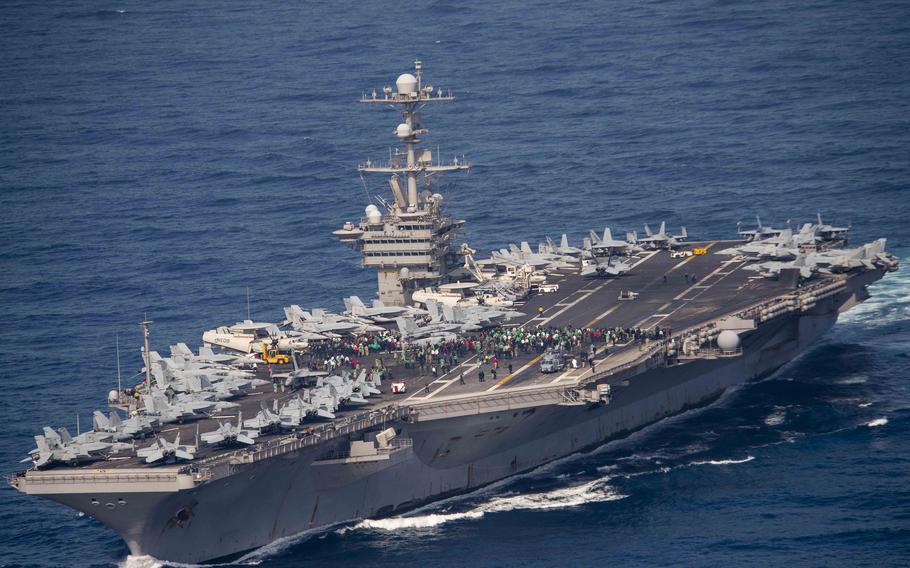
[(272, 355), (699, 251)]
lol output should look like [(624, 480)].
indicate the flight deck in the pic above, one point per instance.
[(670, 293)]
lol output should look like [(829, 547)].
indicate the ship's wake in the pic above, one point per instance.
[(595, 491)]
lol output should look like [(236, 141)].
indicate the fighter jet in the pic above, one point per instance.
[(845, 260), (468, 318), (379, 312), (157, 406), (772, 269), (266, 419), (138, 426), (829, 232), (661, 239), (593, 266), (229, 435), (367, 385), (302, 408), (163, 451), (298, 376), (606, 245), (342, 390), (563, 249), (760, 232), (59, 447), (322, 322), (429, 334)]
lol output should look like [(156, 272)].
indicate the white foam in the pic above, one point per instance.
[(724, 462), (776, 418), (591, 492), (282, 544), (865, 404), (877, 422), (141, 562), (856, 379)]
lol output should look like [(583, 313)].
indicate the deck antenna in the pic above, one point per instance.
[(77, 424), (248, 304), (197, 435), (119, 381), (146, 356)]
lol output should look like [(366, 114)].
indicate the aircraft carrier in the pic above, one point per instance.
[(725, 317)]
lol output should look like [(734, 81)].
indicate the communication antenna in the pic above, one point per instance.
[(248, 303), (148, 367), (119, 381), (77, 424)]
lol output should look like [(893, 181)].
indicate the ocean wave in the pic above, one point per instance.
[(595, 491), (776, 418), (723, 462), (877, 422)]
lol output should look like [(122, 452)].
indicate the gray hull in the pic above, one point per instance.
[(298, 491)]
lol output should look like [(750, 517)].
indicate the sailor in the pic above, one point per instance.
[(687, 277), (427, 388), (665, 278), (493, 373), (461, 378), (510, 368), (480, 375)]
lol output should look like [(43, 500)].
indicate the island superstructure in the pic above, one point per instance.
[(248, 457), (410, 240)]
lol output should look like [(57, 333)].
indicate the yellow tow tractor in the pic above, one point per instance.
[(272, 355), (699, 251)]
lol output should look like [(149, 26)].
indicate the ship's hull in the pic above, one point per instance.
[(278, 497)]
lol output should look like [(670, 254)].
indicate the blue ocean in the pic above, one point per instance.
[(162, 157)]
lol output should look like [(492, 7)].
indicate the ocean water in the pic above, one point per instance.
[(161, 157)]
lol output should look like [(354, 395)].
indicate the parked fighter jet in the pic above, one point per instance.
[(379, 312), (429, 334), (302, 408), (592, 265), (845, 260), (468, 318), (607, 245), (138, 426), (163, 451), (829, 232), (783, 246), (772, 269), (344, 391), (229, 435), (367, 385), (266, 419), (759, 232), (563, 248), (661, 239), (298, 376), (157, 406), (59, 447), (322, 322)]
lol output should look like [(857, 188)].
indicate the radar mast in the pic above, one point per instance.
[(410, 242)]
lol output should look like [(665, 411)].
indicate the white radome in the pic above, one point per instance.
[(373, 214), (403, 130), (406, 84), (728, 340)]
